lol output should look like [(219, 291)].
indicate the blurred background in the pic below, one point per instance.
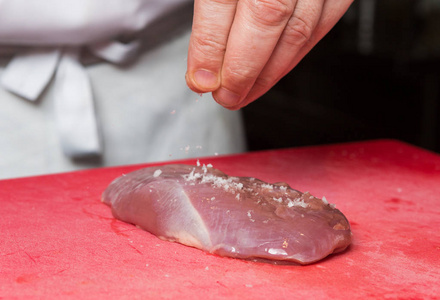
[(375, 75)]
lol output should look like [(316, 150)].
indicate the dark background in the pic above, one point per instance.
[(375, 75)]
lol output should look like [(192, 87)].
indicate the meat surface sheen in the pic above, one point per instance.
[(238, 217)]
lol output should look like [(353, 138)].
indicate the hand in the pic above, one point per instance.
[(239, 49)]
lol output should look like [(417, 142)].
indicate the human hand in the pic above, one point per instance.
[(239, 49)]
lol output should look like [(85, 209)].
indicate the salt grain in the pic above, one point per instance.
[(157, 173), (267, 186), (279, 200), (297, 202)]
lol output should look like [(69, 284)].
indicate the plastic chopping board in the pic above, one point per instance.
[(57, 240)]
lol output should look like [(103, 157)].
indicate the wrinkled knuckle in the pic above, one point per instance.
[(207, 45), (240, 73), (272, 12), (298, 31)]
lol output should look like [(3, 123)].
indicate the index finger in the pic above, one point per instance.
[(211, 25)]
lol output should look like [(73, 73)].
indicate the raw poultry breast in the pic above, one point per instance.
[(238, 217)]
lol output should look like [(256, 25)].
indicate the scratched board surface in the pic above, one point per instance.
[(58, 240)]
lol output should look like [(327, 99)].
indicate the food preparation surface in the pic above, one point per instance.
[(58, 240)]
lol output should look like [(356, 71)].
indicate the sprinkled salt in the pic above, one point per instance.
[(324, 200), (250, 216), (209, 165), (157, 173), (198, 163), (267, 186), (283, 188), (279, 200), (297, 202)]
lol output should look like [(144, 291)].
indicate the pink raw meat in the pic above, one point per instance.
[(238, 217)]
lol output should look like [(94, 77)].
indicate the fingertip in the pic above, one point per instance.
[(206, 80), (203, 81), (227, 98)]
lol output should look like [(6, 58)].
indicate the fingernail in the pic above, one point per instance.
[(205, 79), (226, 97)]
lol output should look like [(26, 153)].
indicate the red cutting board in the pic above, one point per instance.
[(57, 240)]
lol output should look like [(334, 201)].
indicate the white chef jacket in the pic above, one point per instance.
[(86, 83)]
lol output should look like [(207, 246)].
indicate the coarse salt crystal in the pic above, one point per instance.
[(297, 202), (267, 186), (157, 173), (324, 200), (279, 200)]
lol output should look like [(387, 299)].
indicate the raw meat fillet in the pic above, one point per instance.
[(237, 217)]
